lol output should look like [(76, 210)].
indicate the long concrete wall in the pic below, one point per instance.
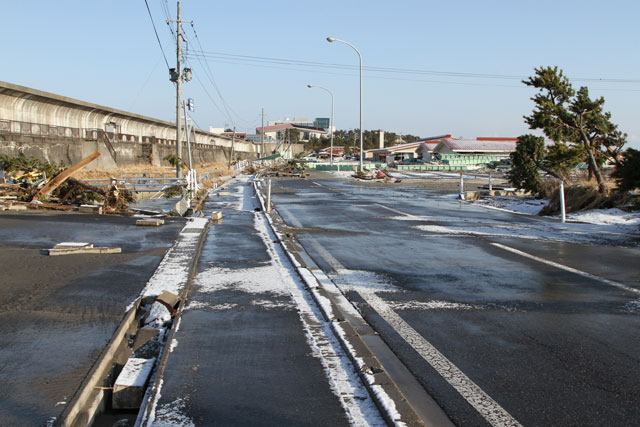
[(56, 128)]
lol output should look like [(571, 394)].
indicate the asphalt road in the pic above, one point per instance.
[(57, 313), (244, 352), (471, 301)]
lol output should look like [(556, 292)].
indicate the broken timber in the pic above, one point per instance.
[(62, 176), (150, 222)]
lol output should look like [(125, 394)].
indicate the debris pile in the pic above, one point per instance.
[(378, 175), (28, 182), (292, 168)]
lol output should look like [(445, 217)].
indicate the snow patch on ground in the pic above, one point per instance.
[(632, 306), (358, 280), (430, 305), (172, 414), (259, 280)]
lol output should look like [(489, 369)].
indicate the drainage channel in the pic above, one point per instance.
[(116, 390)]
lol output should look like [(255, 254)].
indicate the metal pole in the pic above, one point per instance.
[(330, 120), (178, 98), (331, 40), (233, 138), (188, 132), (262, 135), (461, 187), (268, 195), (563, 215), (490, 186)]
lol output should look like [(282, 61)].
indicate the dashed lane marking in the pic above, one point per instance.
[(569, 269), (470, 391)]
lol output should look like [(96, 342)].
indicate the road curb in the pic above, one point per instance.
[(399, 397)]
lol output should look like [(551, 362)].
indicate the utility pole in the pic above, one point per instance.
[(262, 135), (177, 76), (178, 97), (233, 138)]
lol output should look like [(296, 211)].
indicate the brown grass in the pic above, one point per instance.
[(584, 195), (217, 172)]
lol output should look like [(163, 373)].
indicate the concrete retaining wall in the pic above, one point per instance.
[(56, 128)]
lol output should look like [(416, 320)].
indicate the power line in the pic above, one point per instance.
[(156, 32), (259, 65), (283, 61), (199, 55)]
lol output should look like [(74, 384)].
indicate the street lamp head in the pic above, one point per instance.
[(330, 39)]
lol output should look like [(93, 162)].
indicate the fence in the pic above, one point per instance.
[(48, 131)]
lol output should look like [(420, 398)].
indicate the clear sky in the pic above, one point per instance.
[(107, 53)]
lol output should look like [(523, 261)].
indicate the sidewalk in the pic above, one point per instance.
[(251, 348)]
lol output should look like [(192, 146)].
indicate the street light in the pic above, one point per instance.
[(330, 120), (331, 40)]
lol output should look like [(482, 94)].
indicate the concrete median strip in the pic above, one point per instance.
[(139, 350), (395, 391)]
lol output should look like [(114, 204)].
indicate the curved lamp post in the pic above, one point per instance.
[(330, 120), (331, 40)]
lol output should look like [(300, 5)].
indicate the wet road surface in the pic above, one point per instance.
[(57, 313), (494, 334), (249, 349)]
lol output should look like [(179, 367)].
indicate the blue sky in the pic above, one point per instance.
[(107, 53)]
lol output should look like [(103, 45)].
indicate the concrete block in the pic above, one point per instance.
[(17, 208), (129, 388), (90, 209), (73, 245), (68, 251), (224, 194), (169, 298), (151, 222), (143, 336), (216, 215)]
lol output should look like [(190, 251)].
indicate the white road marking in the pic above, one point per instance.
[(569, 269), (482, 402), (395, 211)]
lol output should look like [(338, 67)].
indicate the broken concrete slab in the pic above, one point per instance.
[(143, 336), (16, 208), (73, 245), (90, 209), (158, 316), (69, 251), (168, 298), (150, 222), (216, 215), (129, 388)]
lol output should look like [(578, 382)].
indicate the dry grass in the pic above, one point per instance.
[(209, 173), (583, 195)]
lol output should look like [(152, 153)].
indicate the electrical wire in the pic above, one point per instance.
[(199, 54), (282, 61), (156, 32)]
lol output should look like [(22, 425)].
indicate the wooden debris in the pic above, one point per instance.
[(70, 251), (216, 215), (62, 176), (224, 194), (151, 222)]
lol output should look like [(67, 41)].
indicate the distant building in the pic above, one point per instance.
[(318, 122), (305, 133)]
